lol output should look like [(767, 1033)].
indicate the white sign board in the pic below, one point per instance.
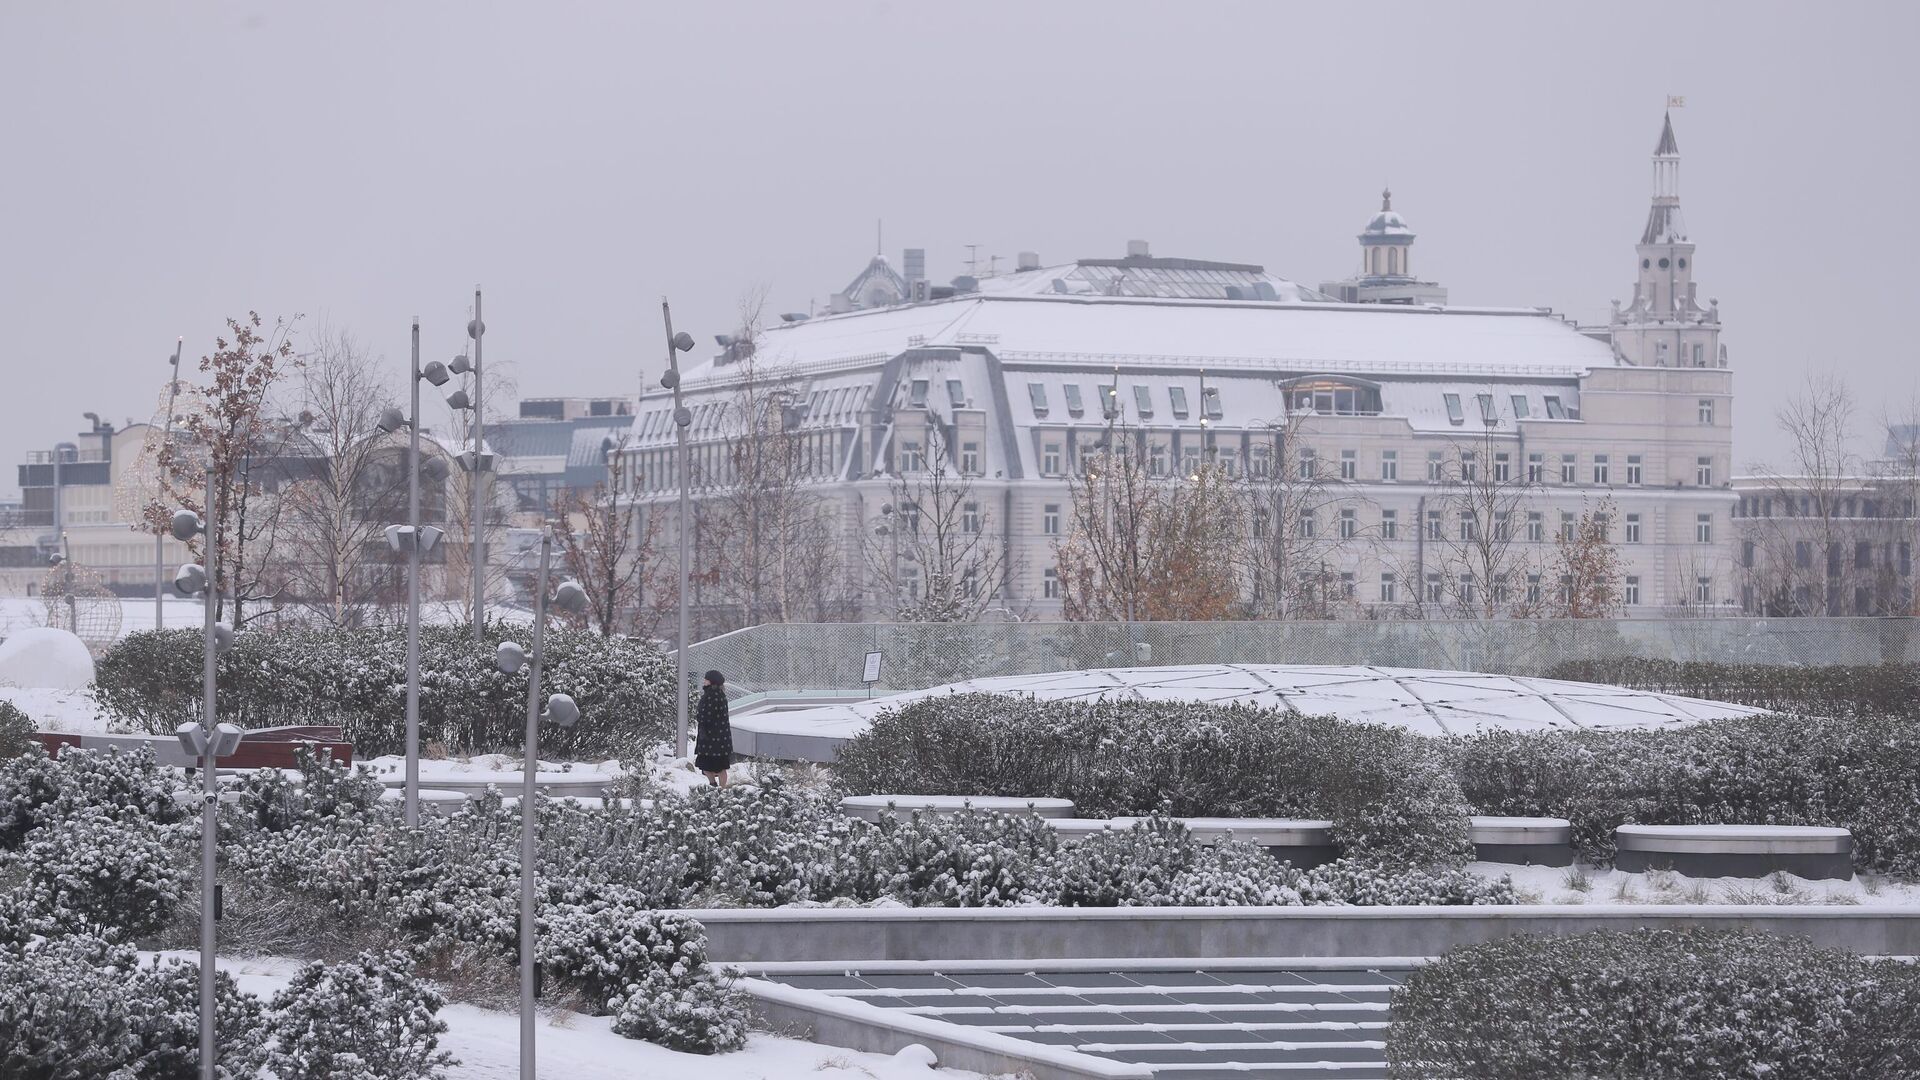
[(872, 673)]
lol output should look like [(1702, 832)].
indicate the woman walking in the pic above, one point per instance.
[(713, 742)]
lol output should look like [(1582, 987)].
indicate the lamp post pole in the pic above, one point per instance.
[(413, 587), (160, 534), (210, 796), (529, 869), (681, 420), (477, 512)]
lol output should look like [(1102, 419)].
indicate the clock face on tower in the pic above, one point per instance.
[(1663, 264)]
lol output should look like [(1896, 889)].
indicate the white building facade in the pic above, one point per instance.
[(1394, 405)]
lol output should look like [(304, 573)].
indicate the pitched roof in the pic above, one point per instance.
[(1668, 146)]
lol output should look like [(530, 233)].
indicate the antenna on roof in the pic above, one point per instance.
[(879, 236), (973, 260)]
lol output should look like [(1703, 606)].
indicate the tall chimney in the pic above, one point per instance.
[(914, 264)]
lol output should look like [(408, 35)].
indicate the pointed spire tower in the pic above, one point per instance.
[(1665, 326)]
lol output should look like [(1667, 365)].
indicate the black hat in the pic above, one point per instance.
[(716, 678)]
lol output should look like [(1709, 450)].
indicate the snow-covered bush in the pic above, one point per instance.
[(16, 732), (1655, 1005), (1859, 772), (694, 1014), (969, 859), (1388, 792), (125, 785), (1817, 689), (356, 679), (368, 1018), (80, 1005), (648, 969), (1157, 863), (1372, 883), (88, 864)]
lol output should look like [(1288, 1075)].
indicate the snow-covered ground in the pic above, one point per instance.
[(60, 710), (1590, 885), (487, 1043)]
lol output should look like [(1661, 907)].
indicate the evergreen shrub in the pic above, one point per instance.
[(1655, 1005), (356, 679), (16, 732)]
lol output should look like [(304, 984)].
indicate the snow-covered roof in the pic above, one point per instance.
[(1271, 337), (1424, 701)]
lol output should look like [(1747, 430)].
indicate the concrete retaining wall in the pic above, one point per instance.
[(763, 935)]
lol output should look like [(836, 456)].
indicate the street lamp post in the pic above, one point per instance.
[(160, 535), (682, 419), (208, 741), (562, 710), (476, 329), (414, 540)]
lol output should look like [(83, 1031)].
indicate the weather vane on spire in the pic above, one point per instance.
[(1676, 101)]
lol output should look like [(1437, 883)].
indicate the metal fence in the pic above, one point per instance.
[(827, 659)]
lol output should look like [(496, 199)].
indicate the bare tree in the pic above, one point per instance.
[(771, 545), (1488, 566), (1805, 538), (939, 555), (1587, 565), (608, 546), (331, 520), (250, 452), (1293, 543)]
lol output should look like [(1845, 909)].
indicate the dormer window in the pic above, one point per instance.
[(1454, 415), (956, 393), (1178, 395), (1328, 395), (917, 394), (1555, 411), (1143, 402), (1210, 403), (1075, 407), (1037, 395)]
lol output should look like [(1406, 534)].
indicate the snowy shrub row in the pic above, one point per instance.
[(1390, 794), (1859, 772), (1823, 690), (1656, 1005), (357, 679), (82, 1005)]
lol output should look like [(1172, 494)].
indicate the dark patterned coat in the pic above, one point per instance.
[(713, 741)]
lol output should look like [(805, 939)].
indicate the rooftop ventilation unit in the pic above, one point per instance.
[(920, 290), (840, 303), (794, 317), (1137, 249), (966, 283), (1027, 260)]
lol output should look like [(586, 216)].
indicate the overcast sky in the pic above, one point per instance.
[(164, 166)]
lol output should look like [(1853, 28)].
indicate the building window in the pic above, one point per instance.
[(1802, 555), (1349, 525), (1349, 466), (917, 393), (1050, 519), (913, 458), (1633, 528), (1536, 527), (970, 517), (1520, 407), (1037, 396), (1533, 588), (1075, 407), (1389, 524), (1699, 351), (1454, 414), (1905, 555), (1468, 469), (1157, 460), (1862, 555), (1703, 471), (970, 584), (1503, 526), (1435, 468), (1110, 402), (1502, 468), (1346, 585), (1706, 411), (1305, 526), (1536, 468), (956, 394), (1389, 589), (1487, 415), (1229, 462), (1469, 526), (1633, 470), (1600, 468), (1703, 528), (1703, 591), (970, 458), (1746, 554), (1466, 588), (1143, 402), (1568, 465), (1262, 521), (1555, 410), (1259, 461), (1050, 584), (1631, 593), (1190, 464), (1306, 464), (1389, 464), (1566, 525), (1050, 459), (1210, 403), (1433, 524), (1433, 588), (1178, 396)]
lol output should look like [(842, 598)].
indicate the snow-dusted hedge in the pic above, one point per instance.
[(1859, 772), (1389, 793), (357, 679), (1656, 1005), (16, 732), (1822, 690), (367, 1018)]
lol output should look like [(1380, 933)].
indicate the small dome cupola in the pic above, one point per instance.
[(1386, 243)]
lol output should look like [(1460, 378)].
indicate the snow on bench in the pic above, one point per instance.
[(1735, 850), (553, 784), (1528, 841), (1305, 843), (262, 748)]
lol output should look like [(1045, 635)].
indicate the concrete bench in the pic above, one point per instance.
[(1073, 828), (1304, 843), (1527, 841), (870, 807), (1735, 850), (552, 784), (432, 800)]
